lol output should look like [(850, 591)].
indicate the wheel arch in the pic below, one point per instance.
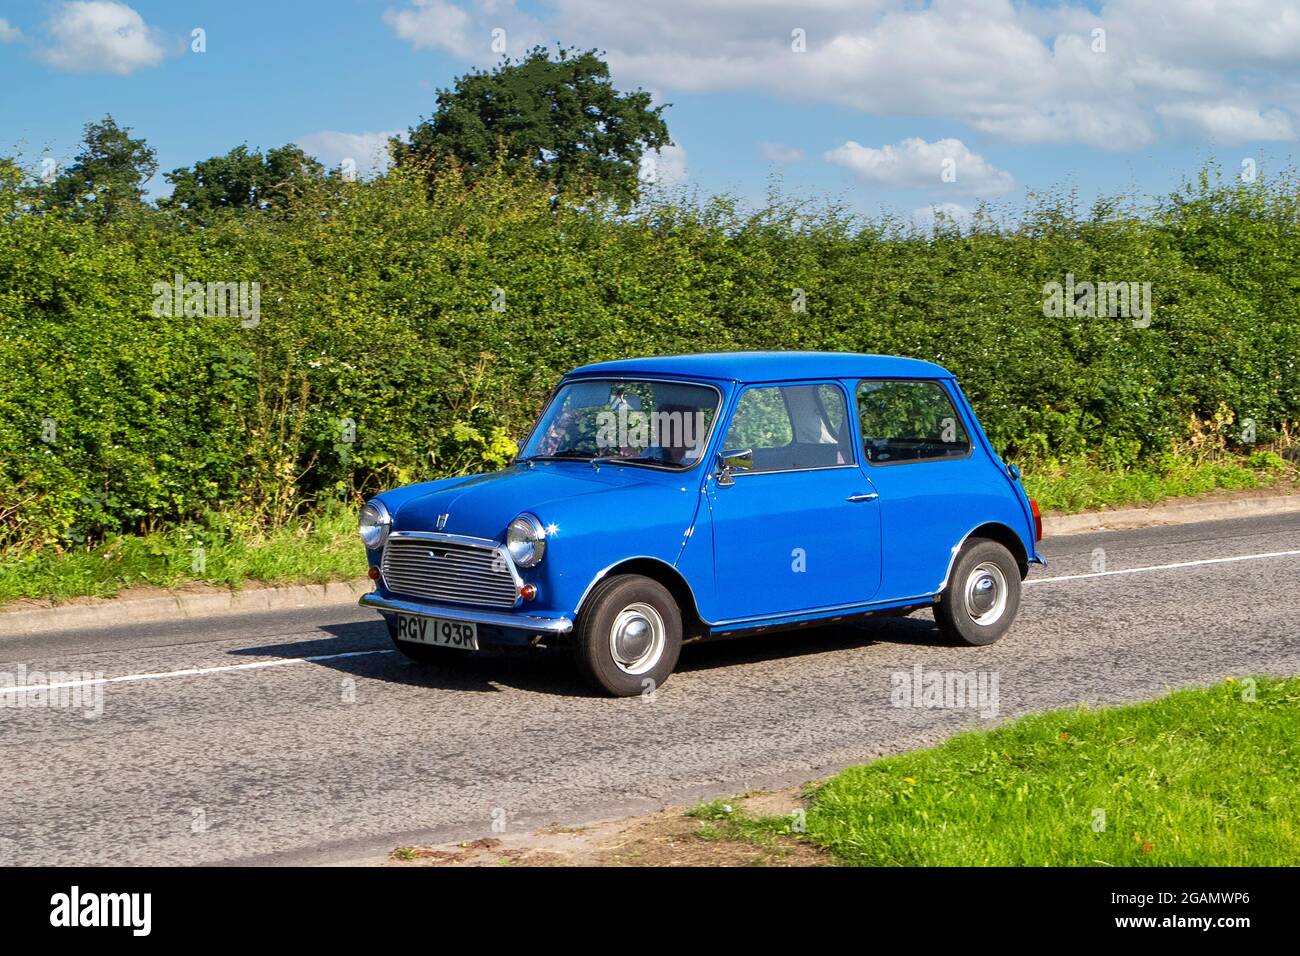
[(992, 531), (662, 572)]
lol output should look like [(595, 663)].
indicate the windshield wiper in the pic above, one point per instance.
[(571, 455), (629, 460)]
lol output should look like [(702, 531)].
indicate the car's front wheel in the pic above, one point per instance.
[(982, 596), (628, 636)]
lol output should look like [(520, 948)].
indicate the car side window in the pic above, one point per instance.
[(791, 428), (905, 421)]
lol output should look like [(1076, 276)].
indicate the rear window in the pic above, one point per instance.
[(909, 421)]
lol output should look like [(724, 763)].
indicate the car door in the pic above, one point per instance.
[(919, 455), (796, 525)]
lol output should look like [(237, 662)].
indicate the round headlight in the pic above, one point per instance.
[(374, 524), (526, 541)]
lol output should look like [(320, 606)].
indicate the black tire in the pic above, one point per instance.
[(621, 603), (422, 653), (982, 596)]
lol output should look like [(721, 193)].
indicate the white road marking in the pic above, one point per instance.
[(188, 672), (283, 661), (1165, 567)]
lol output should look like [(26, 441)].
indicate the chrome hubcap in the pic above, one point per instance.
[(636, 638), (986, 593)]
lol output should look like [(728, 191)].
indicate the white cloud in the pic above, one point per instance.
[(915, 164), (369, 151), (432, 24), (8, 32), (778, 153), (101, 36), (1211, 33), (1228, 123), (473, 31), (1018, 71), (927, 217), (664, 167)]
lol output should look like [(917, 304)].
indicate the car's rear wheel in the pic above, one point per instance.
[(982, 596), (628, 636), (422, 653)]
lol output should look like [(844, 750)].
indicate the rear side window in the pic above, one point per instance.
[(909, 421), (791, 427)]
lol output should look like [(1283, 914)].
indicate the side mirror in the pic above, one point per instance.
[(742, 458), (1014, 472)]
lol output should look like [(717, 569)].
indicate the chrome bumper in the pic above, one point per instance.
[(506, 619)]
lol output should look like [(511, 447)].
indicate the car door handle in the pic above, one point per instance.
[(865, 496)]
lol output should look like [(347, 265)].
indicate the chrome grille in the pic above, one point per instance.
[(442, 569)]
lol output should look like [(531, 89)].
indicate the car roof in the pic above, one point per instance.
[(770, 366)]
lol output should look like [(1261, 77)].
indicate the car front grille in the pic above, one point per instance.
[(441, 569)]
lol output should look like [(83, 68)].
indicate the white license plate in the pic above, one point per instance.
[(438, 631)]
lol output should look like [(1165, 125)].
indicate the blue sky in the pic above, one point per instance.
[(869, 101)]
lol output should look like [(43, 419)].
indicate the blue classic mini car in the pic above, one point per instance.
[(662, 500)]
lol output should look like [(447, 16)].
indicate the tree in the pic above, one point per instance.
[(560, 117), (12, 181), (244, 179), (108, 176)]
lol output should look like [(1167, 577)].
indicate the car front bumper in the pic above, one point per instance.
[(506, 620)]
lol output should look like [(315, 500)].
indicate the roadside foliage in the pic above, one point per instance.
[(408, 330)]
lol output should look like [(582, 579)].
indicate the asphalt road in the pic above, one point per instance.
[(258, 755)]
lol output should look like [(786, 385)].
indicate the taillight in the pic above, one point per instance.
[(1038, 520)]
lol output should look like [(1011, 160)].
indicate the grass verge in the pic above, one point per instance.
[(313, 551), (1074, 486), (1202, 777)]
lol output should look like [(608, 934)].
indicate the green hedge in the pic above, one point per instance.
[(379, 308)]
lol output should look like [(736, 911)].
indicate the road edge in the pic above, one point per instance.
[(27, 622), (111, 612), (1162, 515)]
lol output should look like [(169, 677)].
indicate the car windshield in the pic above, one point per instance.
[(626, 421)]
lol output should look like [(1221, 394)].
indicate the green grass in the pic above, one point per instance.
[(728, 820), (1202, 777), (1083, 485), (323, 549)]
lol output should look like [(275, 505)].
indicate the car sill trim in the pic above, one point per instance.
[(811, 614)]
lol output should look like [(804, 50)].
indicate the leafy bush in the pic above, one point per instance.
[(402, 338)]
